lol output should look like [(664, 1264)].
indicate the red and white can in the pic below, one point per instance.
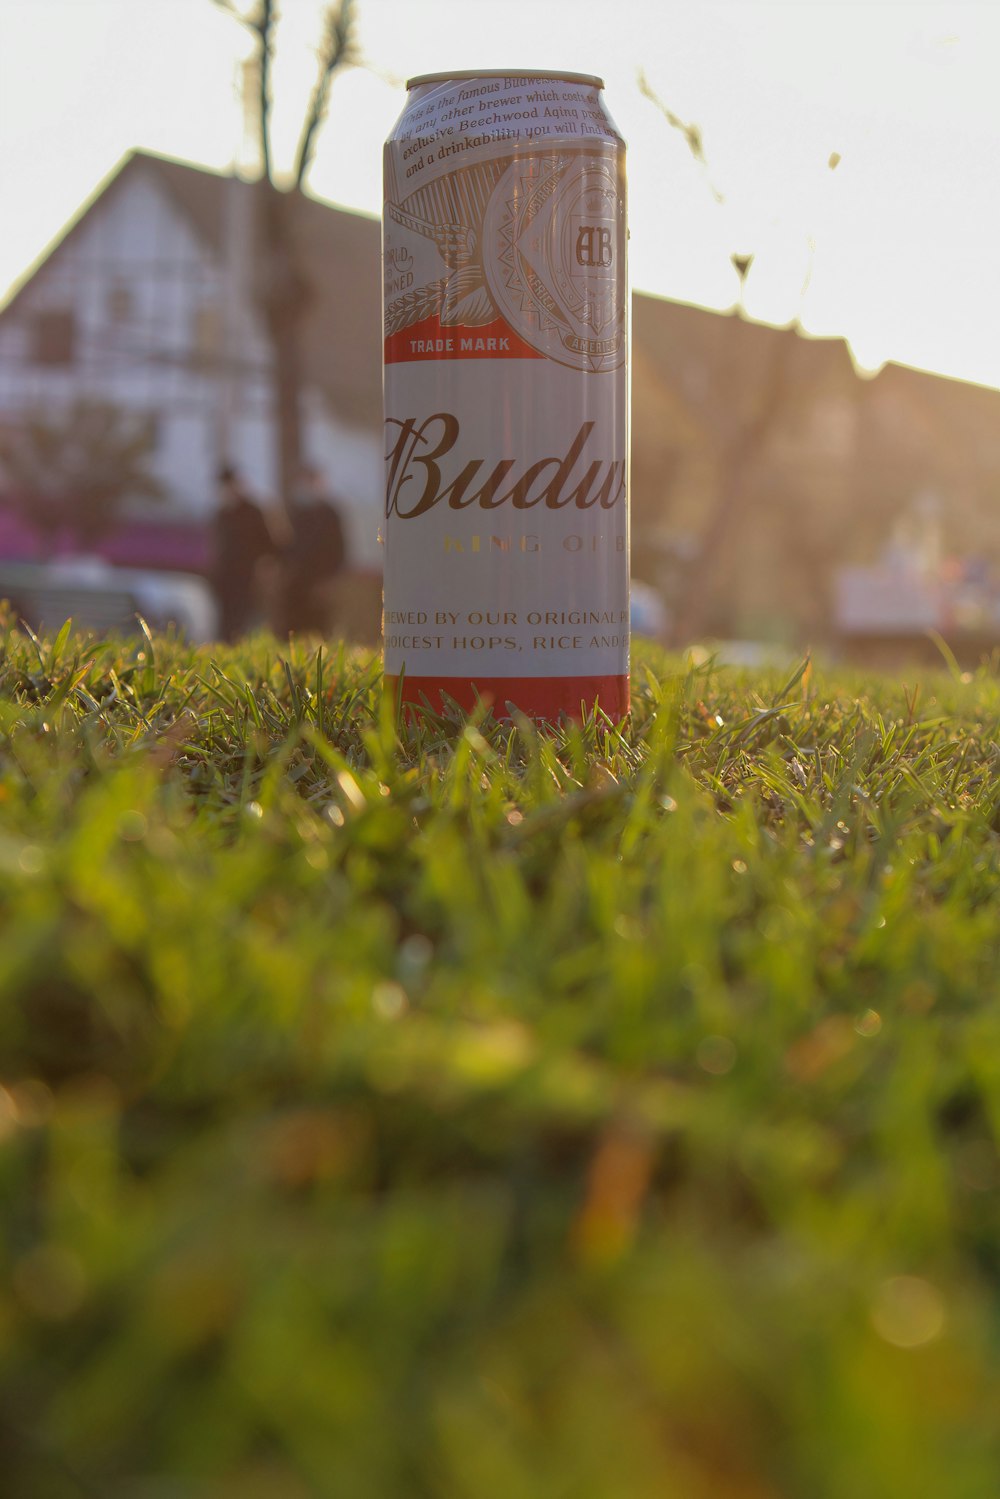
[(506, 396)]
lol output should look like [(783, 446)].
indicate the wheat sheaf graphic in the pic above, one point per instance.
[(458, 298), (461, 297)]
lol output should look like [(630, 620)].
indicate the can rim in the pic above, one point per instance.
[(464, 77)]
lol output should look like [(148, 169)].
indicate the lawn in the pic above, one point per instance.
[(450, 1111)]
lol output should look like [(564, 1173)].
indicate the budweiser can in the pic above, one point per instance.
[(506, 402)]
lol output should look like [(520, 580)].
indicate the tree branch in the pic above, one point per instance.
[(691, 133), (265, 30), (255, 21), (338, 52), (261, 22)]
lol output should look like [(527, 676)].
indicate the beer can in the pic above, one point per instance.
[(506, 317)]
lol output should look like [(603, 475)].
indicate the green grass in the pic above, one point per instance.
[(453, 1111)]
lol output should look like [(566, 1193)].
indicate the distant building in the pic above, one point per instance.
[(147, 302), (821, 463)]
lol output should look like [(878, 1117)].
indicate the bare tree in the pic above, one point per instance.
[(284, 286), (74, 471), (753, 426)]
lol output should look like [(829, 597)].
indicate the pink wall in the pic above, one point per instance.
[(170, 546)]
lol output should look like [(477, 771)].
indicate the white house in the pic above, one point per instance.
[(147, 302)]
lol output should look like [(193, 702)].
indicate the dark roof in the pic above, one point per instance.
[(720, 360), (340, 253), (731, 353)]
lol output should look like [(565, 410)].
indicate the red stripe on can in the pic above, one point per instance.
[(432, 339), (538, 697)]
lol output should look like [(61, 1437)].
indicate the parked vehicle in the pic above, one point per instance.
[(106, 599), (648, 611)]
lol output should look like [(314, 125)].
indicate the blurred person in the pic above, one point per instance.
[(242, 540), (314, 557)]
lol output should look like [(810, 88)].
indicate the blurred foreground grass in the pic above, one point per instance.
[(456, 1112)]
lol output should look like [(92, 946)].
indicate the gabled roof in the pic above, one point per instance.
[(340, 252)]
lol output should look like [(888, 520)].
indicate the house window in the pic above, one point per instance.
[(207, 330), (53, 336), (152, 430), (120, 305)]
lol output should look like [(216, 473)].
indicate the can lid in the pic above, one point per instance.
[(588, 78)]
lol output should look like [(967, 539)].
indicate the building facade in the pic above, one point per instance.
[(147, 303)]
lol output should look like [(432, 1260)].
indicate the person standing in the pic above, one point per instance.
[(242, 540), (315, 556)]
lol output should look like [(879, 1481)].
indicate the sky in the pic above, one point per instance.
[(896, 249)]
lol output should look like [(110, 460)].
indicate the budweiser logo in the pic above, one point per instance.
[(420, 476), (593, 245)]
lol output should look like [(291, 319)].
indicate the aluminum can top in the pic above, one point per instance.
[(590, 79), (426, 88)]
